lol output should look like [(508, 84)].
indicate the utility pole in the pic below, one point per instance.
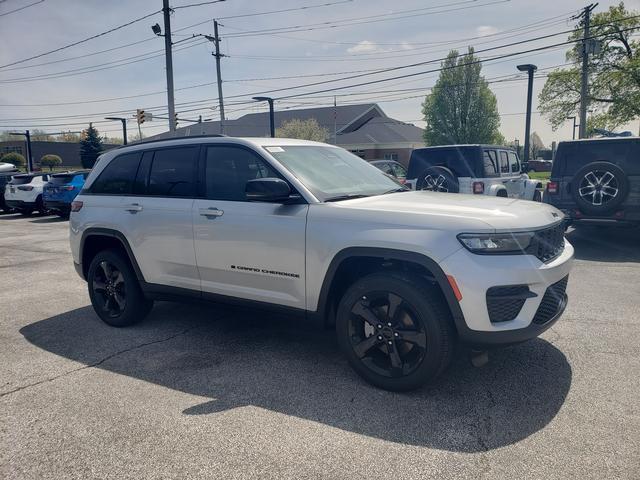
[(166, 10), (584, 84), (29, 153), (218, 55)]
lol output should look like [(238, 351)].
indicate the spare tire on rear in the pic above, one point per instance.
[(438, 179), (599, 187)]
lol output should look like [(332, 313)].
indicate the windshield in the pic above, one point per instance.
[(332, 173)]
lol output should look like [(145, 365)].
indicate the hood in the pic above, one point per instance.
[(495, 212)]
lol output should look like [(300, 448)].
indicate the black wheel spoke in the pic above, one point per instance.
[(396, 361), (119, 299), (106, 268), (394, 303), (99, 285), (118, 279), (366, 313), (414, 337), (364, 346)]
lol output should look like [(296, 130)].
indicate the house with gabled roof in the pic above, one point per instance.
[(363, 129)]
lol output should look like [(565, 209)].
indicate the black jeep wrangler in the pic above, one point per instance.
[(597, 181)]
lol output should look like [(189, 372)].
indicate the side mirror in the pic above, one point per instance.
[(267, 190)]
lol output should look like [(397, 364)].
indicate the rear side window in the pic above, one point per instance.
[(504, 162), (117, 177), (385, 167), (173, 172), (490, 160), (228, 169), (515, 163)]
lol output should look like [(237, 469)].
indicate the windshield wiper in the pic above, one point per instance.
[(348, 196)]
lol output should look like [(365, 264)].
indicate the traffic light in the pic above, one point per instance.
[(176, 115), (140, 116)]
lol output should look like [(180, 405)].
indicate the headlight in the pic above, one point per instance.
[(496, 243)]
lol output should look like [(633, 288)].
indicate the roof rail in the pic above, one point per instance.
[(142, 142)]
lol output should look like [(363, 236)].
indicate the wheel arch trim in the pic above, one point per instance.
[(108, 232), (391, 254)]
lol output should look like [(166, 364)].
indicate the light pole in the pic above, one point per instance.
[(530, 69), (29, 156), (272, 127), (124, 126), (573, 137)]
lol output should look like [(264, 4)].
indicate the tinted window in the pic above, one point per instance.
[(515, 164), (490, 160), (140, 184), (21, 180), (173, 172), (118, 175), (228, 169), (61, 179), (504, 162)]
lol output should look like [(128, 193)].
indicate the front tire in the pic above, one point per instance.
[(395, 330), (114, 290)]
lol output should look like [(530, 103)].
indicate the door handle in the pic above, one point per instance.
[(133, 208), (211, 212)]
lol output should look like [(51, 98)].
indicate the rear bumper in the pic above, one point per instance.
[(20, 204), (57, 205)]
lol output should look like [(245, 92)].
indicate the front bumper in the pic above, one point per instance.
[(475, 274)]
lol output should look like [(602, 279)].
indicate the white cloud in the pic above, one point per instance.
[(364, 46), (484, 30)]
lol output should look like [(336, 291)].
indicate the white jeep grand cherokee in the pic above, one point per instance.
[(310, 228)]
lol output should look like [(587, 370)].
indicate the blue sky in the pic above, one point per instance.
[(394, 34)]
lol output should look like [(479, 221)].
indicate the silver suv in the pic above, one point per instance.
[(309, 228)]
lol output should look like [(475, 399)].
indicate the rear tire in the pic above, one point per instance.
[(114, 290), (395, 330)]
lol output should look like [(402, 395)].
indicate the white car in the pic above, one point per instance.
[(24, 192), (311, 229), (474, 169)]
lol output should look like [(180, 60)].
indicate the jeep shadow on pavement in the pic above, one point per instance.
[(239, 358)]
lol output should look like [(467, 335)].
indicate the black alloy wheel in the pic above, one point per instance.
[(108, 285), (386, 335), (395, 330), (599, 188), (114, 290), (438, 179)]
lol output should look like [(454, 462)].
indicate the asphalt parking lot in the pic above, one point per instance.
[(202, 392)]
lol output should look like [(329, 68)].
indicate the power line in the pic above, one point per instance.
[(196, 4), (82, 41), (21, 8)]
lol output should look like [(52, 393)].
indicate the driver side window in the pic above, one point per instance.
[(228, 169)]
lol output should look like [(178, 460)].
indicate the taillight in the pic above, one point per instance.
[(27, 188), (68, 188), (76, 205), (478, 187), (552, 187)]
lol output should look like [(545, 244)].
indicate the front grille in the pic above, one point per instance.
[(547, 244), (504, 303), (552, 301)]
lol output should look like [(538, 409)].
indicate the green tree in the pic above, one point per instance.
[(614, 74), (14, 158), (90, 147), (308, 129), (461, 107), (50, 161)]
